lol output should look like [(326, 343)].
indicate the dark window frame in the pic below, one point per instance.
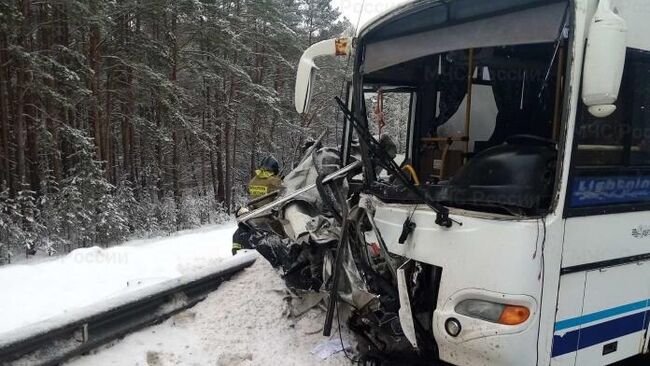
[(413, 96)]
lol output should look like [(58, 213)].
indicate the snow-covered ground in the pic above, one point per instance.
[(32, 293), (244, 322)]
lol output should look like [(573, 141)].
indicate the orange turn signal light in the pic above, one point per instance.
[(514, 315)]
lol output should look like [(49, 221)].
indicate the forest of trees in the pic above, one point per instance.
[(123, 118)]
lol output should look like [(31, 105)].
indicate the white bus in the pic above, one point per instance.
[(527, 134)]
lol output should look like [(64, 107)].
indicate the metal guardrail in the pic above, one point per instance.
[(60, 339)]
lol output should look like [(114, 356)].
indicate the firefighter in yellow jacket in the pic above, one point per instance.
[(265, 181)]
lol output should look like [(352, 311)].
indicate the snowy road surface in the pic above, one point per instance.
[(34, 292), (244, 322)]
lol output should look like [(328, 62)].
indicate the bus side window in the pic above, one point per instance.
[(640, 112), (623, 138), (611, 161)]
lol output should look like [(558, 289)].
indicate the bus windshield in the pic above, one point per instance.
[(476, 128)]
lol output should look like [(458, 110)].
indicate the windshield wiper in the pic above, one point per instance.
[(378, 152), (512, 210)]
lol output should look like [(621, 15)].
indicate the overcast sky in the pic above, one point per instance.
[(351, 8)]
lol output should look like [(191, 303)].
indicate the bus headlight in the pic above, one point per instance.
[(493, 312)]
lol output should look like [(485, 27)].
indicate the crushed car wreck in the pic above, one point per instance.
[(459, 236), (318, 239)]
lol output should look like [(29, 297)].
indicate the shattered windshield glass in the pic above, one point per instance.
[(481, 129)]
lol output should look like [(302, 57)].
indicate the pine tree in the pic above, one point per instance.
[(129, 117)]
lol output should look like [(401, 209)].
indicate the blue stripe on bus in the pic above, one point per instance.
[(599, 333), (608, 313)]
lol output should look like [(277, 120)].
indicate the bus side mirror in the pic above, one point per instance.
[(604, 61), (307, 68)]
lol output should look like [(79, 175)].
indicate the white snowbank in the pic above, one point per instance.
[(37, 292), (243, 323)]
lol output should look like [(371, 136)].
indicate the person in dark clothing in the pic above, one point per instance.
[(265, 182)]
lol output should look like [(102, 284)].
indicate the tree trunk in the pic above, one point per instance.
[(94, 60), (20, 126), (221, 193), (32, 127), (7, 177), (176, 139), (107, 143)]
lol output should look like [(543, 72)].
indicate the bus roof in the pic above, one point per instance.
[(414, 16), (390, 13)]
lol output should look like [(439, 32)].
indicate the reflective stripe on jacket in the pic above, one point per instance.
[(262, 184)]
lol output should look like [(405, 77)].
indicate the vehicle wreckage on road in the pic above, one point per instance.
[(508, 225)]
